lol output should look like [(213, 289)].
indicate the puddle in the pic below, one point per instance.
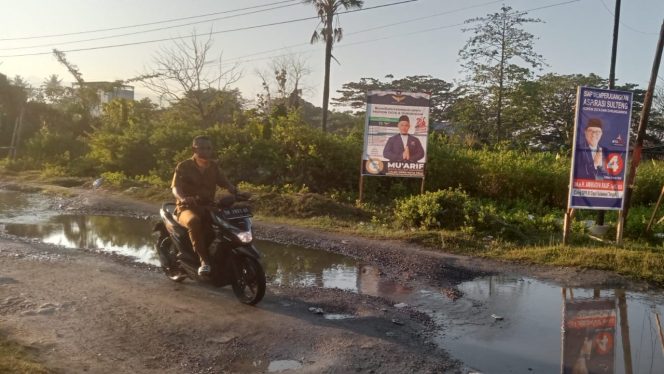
[(281, 365), (528, 338), (28, 216), (299, 266), (21, 207), (336, 317), (122, 235)]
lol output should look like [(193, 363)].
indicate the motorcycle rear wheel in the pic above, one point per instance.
[(249, 282), (166, 251)]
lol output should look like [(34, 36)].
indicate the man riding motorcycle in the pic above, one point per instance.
[(194, 183)]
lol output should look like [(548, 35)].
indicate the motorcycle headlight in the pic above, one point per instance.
[(245, 236)]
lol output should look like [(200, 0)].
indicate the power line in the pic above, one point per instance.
[(401, 22), (624, 24), (212, 33), (147, 24), (239, 59), (151, 30)]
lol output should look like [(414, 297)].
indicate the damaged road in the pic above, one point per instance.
[(84, 311)]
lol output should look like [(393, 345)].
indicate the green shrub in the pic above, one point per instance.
[(18, 165), (648, 182), (115, 179), (440, 209)]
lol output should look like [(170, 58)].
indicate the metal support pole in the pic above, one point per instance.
[(612, 77)]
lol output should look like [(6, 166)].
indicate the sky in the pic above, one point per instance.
[(421, 37)]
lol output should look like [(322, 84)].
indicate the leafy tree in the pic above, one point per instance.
[(12, 98), (326, 10), (354, 94), (52, 89), (546, 109), (121, 142), (490, 56)]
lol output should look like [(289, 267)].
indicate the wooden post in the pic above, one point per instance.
[(620, 227), (643, 123), (654, 212), (10, 154), (422, 186), (18, 133), (567, 225), (361, 188)]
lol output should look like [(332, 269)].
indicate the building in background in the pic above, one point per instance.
[(107, 92)]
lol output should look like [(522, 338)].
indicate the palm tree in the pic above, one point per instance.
[(326, 10)]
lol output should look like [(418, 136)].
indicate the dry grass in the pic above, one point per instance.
[(14, 359)]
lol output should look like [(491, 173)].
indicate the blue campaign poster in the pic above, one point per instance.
[(600, 150)]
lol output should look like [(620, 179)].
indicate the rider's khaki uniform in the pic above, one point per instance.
[(190, 180)]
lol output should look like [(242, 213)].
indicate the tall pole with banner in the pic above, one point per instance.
[(395, 135), (599, 153)]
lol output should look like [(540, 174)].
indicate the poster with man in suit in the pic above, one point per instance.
[(395, 136), (599, 156)]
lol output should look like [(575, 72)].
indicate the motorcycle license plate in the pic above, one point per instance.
[(231, 213)]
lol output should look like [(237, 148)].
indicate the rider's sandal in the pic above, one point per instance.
[(204, 270)]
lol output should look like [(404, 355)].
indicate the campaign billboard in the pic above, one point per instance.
[(395, 134), (600, 149)]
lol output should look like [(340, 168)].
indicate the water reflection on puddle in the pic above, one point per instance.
[(284, 265), (123, 235), (528, 338)]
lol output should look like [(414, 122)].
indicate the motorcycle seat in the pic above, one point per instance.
[(168, 213)]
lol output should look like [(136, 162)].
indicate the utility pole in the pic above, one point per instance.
[(643, 123), (612, 77)]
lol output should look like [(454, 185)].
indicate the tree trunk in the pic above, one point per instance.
[(328, 60), (500, 83)]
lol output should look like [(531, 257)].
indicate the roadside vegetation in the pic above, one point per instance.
[(16, 359), (498, 154)]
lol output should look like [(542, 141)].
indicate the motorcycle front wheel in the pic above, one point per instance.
[(249, 282)]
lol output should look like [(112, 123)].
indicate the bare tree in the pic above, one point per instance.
[(283, 80), (183, 74)]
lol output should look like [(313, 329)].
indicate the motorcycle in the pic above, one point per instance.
[(234, 258)]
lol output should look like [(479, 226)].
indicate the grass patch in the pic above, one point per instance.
[(15, 359), (639, 264)]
